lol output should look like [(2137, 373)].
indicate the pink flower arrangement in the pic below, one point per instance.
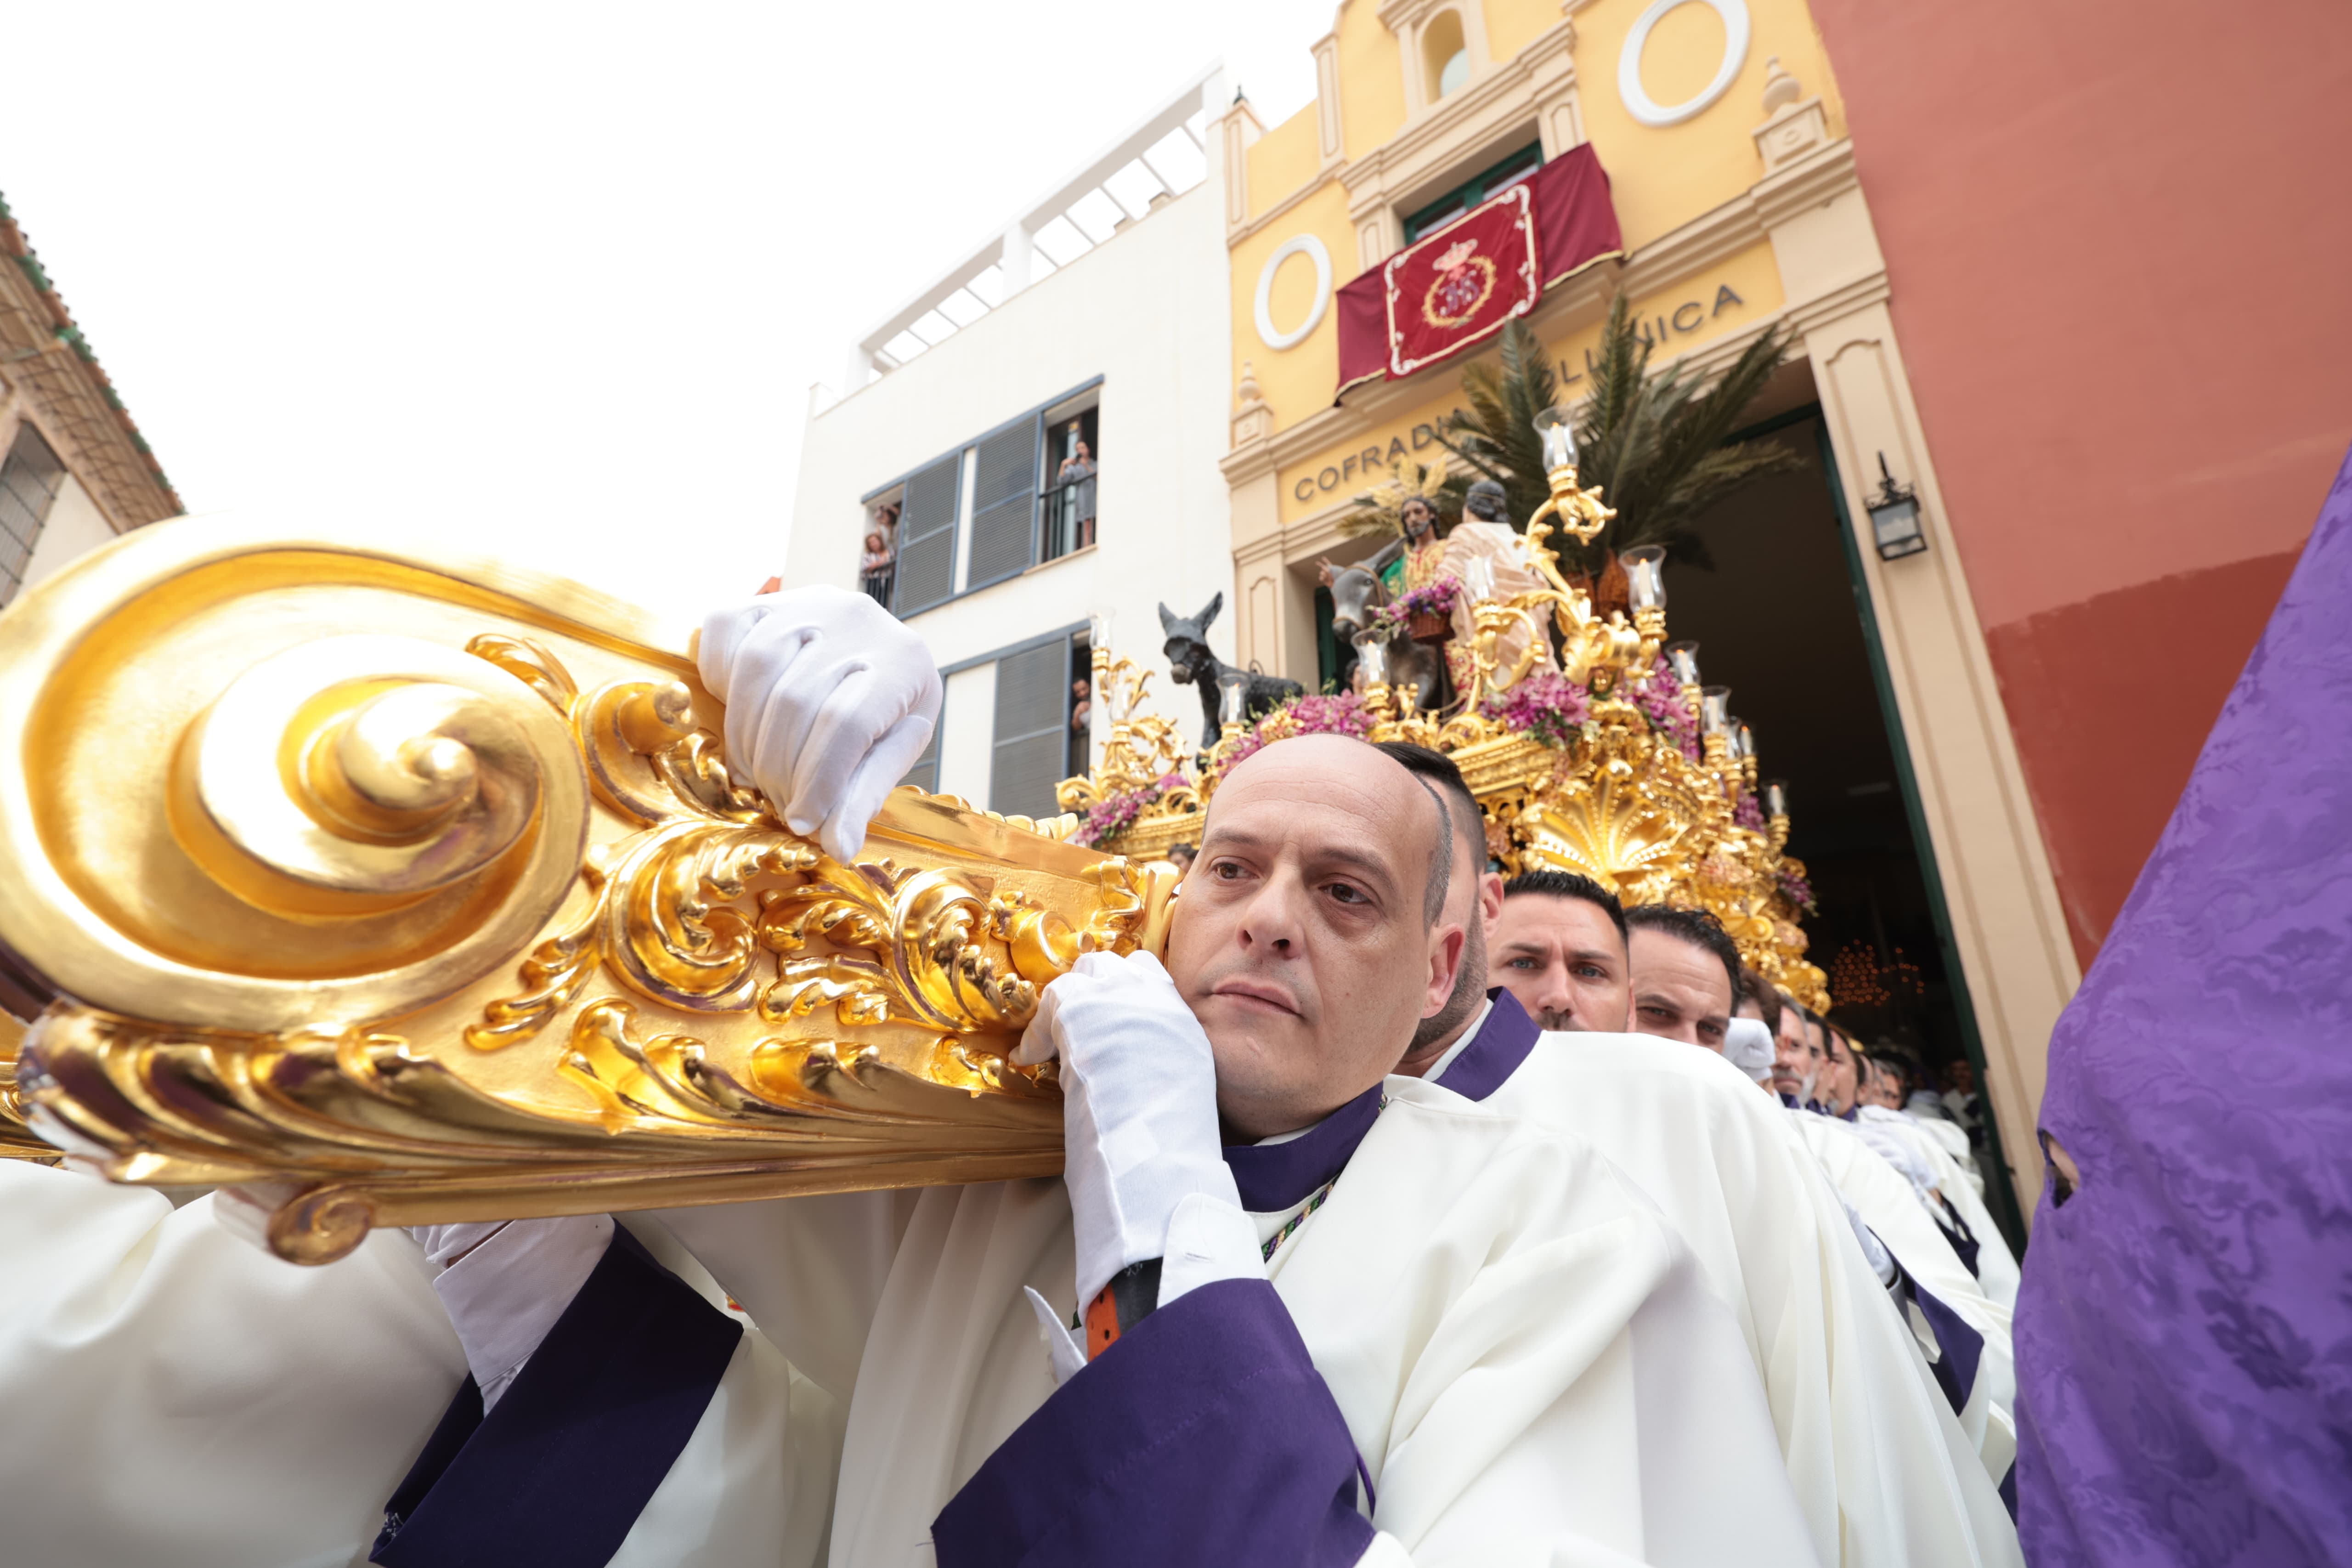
[(1661, 702), (1748, 813), (1547, 706), (1437, 599), (1336, 713), (1114, 816), (1797, 891)]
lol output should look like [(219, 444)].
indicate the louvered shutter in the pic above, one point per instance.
[(927, 536), (1032, 710), (925, 774), (1004, 504), (29, 482)]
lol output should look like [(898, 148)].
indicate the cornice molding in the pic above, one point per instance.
[(1819, 177), (1242, 231), (69, 399)]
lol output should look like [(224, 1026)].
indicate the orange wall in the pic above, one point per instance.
[(2120, 256)]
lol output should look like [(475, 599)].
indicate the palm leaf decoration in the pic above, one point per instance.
[(1496, 435), (1653, 441)]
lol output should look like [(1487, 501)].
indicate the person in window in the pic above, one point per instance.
[(1078, 469), (873, 568)]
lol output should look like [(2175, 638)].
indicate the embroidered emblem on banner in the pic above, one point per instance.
[(1464, 279), (1458, 286)]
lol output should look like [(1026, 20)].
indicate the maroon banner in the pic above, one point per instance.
[(1453, 289)]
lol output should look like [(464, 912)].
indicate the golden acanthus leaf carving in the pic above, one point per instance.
[(506, 936)]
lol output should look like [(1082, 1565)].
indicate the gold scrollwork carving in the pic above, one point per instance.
[(414, 889)]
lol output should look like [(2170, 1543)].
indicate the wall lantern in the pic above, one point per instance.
[(1895, 517)]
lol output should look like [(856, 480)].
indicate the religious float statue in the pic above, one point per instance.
[(417, 888), (1587, 737)]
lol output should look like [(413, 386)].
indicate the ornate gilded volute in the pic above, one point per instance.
[(420, 886)]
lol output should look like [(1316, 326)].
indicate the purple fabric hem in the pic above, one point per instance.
[(1205, 1436), (557, 1473)]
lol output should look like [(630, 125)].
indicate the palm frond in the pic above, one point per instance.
[(1652, 440)]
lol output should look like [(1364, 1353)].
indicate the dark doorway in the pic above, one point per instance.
[(1780, 619)]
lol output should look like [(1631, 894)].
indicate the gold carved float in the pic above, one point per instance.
[(416, 888), (1641, 779)]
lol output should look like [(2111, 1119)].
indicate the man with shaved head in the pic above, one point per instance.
[(1285, 1304)]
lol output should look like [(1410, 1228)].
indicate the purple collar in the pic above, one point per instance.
[(1274, 1176), (1502, 1042)]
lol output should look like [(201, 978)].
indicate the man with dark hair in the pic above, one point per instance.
[(1559, 946), (1884, 1479), (1685, 974)]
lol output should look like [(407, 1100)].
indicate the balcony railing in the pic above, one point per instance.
[(1066, 518)]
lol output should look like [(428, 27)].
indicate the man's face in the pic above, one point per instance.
[(1416, 520), (1838, 1075), (1564, 961), (1300, 941), (1680, 991), (1879, 1088), (1797, 1063)]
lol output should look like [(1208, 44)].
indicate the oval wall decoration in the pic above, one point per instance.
[(1636, 97), (1310, 247)]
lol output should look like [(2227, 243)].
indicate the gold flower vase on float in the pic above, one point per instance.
[(417, 886)]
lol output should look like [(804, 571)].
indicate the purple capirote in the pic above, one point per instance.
[(2184, 1330)]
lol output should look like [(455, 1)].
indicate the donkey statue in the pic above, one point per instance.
[(1355, 594), (1190, 661)]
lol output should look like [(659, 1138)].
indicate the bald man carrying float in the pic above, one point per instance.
[(1881, 1464), (1331, 1314)]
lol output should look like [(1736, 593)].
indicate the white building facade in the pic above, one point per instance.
[(1101, 316)]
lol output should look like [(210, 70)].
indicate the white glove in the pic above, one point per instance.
[(1747, 1045), (829, 701), (504, 1283), (1147, 1176)]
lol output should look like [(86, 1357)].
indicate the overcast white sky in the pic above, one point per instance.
[(564, 273)]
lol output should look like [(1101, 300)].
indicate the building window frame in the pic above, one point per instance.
[(1518, 165), (1083, 398)]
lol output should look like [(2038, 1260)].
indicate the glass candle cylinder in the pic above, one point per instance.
[(1233, 697), (1682, 658), (1556, 429), (1714, 710), (1776, 797), (1744, 736), (1373, 659), (1645, 578)]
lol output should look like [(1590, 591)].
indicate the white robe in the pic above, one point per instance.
[(1525, 1355), (1883, 1469), (1528, 1362), (1960, 1186), (169, 1393), (1887, 1203)]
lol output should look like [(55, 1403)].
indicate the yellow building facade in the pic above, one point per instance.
[(1720, 125)]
